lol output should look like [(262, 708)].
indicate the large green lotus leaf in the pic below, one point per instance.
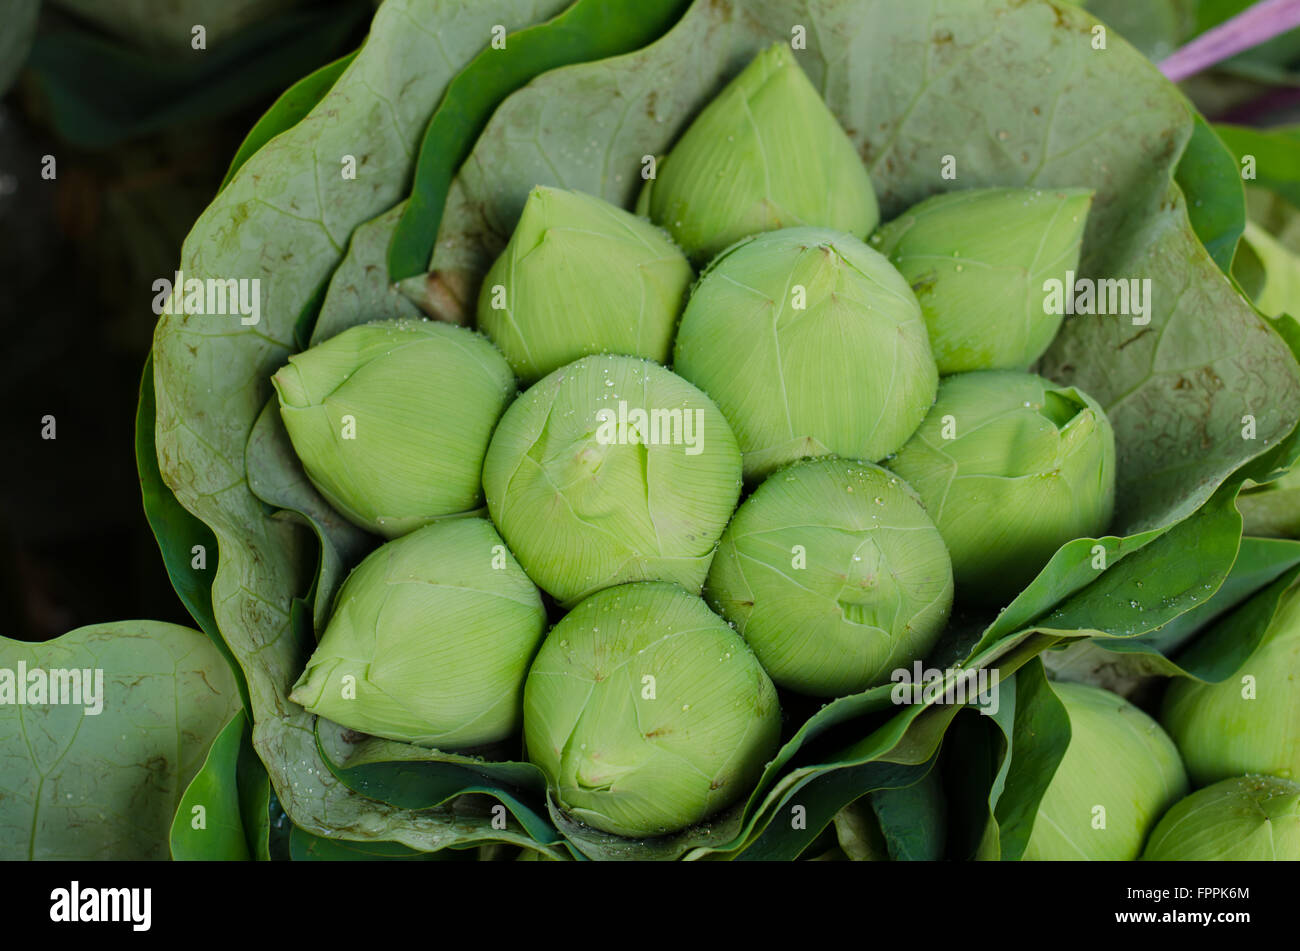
[(284, 218), (1155, 27), (360, 290), (1178, 390), (287, 111), (75, 784)]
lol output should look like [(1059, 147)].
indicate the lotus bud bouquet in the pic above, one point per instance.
[(663, 405)]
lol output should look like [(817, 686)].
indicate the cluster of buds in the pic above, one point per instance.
[(807, 355)]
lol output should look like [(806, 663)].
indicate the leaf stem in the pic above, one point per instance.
[(1248, 29)]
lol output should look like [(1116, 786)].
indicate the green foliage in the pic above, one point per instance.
[(97, 771)]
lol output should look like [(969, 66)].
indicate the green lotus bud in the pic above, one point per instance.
[(812, 345), (978, 261), (765, 154), (835, 576), (391, 419), (647, 712), (1246, 818), (1250, 722), (430, 640), (609, 470), (1119, 774), (581, 276), (1010, 467)]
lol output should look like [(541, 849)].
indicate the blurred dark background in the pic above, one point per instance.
[(141, 127)]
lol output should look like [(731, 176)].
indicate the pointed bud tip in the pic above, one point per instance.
[(289, 385)]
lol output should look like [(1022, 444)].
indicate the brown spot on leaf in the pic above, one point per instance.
[(446, 296)]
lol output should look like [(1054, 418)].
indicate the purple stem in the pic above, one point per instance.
[(1247, 29)]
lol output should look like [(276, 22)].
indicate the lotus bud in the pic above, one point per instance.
[(1250, 722), (430, 640), (811, 344), (835, 576), (1010, 467), (609, 470), (647, 712), (578, 277), (1119, 774), (391, 419), (765, 154), (980, 262), (1243, 819)]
